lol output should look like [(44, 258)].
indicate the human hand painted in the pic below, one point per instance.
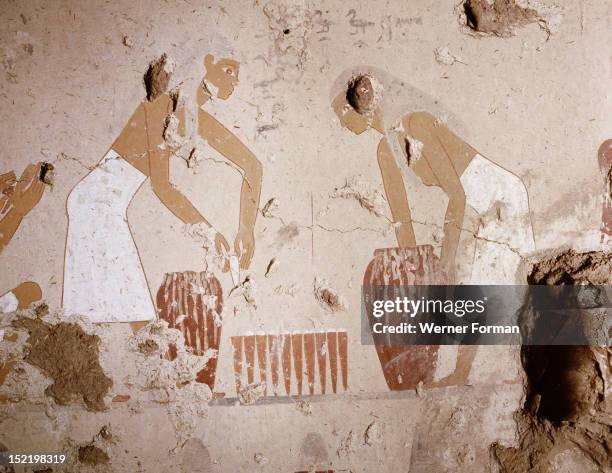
[(7, 181), (244, 246)]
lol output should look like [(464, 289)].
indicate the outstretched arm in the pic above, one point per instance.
[(159, 162), (396, 195), (453, 222), (159, 166), (424, 128), (226, 143)]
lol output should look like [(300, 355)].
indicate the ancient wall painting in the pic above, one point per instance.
[(604, 156), (290, 364), (223, 75), (192, 303), (17, 198), (404, 367), (103, 274), (413, 127)]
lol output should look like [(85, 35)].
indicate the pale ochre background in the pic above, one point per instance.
[(538, 106)]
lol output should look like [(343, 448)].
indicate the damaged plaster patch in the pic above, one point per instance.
[(328, 297), (171, 132), (304, 407), (272, 267), (5, 369), (47, 173), (501, 17), (573, 267), (95, 453), (157, 77), (127, 41), (92, 455), (576, 368), (414, 149), (346, 445), (444, 56), (270, 208), (41, 310), (248, 290), (205, 235), (364, 93), (252, 393), (148, 347), (541, 443), (70, 356), (260, 459), (565, 411), (17, 377), (291, 26), (368, 197), (170, 382), (373, 435)]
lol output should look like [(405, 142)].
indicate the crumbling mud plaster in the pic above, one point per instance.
[(92, 455), (565, 406), (543, 444), (70, 357), (502, 17), (573, 267), (166, 372), (157, 77), (498, 17)]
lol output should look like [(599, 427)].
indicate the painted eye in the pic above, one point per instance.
[(229, 71)]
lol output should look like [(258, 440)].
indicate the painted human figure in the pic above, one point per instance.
[(223, 75), (366, 99), (103, 275), (193, 302), (17, 199)]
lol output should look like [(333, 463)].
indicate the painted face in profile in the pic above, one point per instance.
[(223, 74)]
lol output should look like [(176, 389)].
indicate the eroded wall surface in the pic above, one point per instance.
[(194, 193)]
